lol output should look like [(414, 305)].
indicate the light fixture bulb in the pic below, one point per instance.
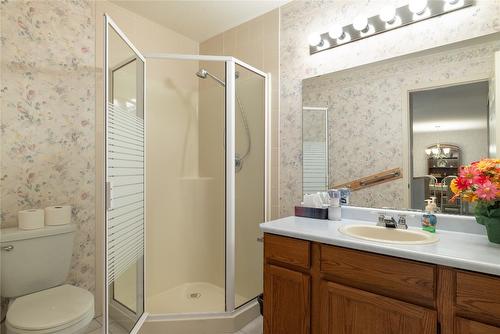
[(360, 23), (435, 150), (453, 4), (388, 14), (315, 39), (417, 6), (446, 150), (428, 151), (336, 32)]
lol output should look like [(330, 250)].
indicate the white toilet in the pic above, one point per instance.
[(35, 264)]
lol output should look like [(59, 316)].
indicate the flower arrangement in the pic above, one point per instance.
[(479, 183)]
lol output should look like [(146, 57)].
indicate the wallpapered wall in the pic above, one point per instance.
[(300, 18), (47, 120), (365, 113)]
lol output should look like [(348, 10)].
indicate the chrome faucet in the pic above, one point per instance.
[(389, 221)]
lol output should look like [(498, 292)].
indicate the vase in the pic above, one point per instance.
[(492, 225)]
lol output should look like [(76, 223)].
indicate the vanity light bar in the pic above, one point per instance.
[(390, 18)]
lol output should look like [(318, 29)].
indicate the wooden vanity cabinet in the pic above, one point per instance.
[(322, 289), (287, 285), (288, 301)]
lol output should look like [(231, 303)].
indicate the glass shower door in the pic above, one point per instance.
[(125, 147), (250, 177)]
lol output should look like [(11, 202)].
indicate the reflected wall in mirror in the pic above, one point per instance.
[(369, 121), (449, 129), (315, 149)]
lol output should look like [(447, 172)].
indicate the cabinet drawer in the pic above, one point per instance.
[(401, 279), (478, 296), (466, 326), (287, 250)]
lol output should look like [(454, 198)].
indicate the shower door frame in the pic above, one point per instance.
[(141, 281), (230, 168)]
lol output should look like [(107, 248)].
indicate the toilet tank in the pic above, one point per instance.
[(34, 260)]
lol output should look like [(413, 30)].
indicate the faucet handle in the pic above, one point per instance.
[(381, 219), (402, 222)]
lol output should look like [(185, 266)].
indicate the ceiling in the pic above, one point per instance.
[(200, 20), (461, 107)]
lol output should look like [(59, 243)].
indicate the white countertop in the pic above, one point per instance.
[(454, 249)]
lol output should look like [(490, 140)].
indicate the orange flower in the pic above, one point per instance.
[(487, 164), (470, 197), (454, 187)]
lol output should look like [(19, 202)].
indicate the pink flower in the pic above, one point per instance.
[(470, 174), (487, 191)]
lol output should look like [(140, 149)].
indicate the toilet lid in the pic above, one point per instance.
[(61, 306)]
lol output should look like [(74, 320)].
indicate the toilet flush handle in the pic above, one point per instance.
[(8, 248)]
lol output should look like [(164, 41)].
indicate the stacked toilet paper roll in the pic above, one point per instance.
[(30, 219), (58, 215)]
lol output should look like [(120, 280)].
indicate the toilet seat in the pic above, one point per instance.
[(63, 309)]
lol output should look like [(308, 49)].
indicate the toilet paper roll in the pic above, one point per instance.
[(58, 215), (30, 219)]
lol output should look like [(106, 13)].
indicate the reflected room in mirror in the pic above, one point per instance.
[(449, 129), (315, 149), (398, 130)]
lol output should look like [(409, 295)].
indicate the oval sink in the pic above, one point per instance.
[(389, 235)]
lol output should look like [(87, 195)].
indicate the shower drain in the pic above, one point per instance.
[(194, 295)]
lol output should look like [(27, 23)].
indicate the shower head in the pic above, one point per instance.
[(203, 74)]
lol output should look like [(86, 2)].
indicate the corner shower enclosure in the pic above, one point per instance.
[(186, 182)]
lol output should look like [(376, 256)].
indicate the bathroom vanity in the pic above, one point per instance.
[(317, 280)]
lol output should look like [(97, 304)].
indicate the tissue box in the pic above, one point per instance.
[(316, 213)]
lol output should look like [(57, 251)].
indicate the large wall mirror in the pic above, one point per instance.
[(398, 130)]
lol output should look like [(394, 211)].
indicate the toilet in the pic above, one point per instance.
[(35, 264)]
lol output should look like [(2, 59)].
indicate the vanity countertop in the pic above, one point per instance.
[(454, 249)]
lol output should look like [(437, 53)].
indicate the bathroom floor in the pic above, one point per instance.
[(254, 327), (96, 324)]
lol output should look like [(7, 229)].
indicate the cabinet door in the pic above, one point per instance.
[(346, 310), (286, 301), (465, 326)]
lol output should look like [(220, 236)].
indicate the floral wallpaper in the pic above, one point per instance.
[(47, 120), (365, 113), (301, 18)]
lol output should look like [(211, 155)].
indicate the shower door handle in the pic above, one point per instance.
[(8, 248)]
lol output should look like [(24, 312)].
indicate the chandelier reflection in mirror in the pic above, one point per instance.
[(438, 152), (389, 18)]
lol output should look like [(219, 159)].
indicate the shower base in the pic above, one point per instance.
[(196, 307), (192, 297)]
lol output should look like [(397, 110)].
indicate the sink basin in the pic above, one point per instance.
[(389, 235)]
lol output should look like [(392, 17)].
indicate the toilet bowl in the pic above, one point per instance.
[(35, 265), (65, 309)]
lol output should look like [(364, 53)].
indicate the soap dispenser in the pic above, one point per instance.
[(429, 219)]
